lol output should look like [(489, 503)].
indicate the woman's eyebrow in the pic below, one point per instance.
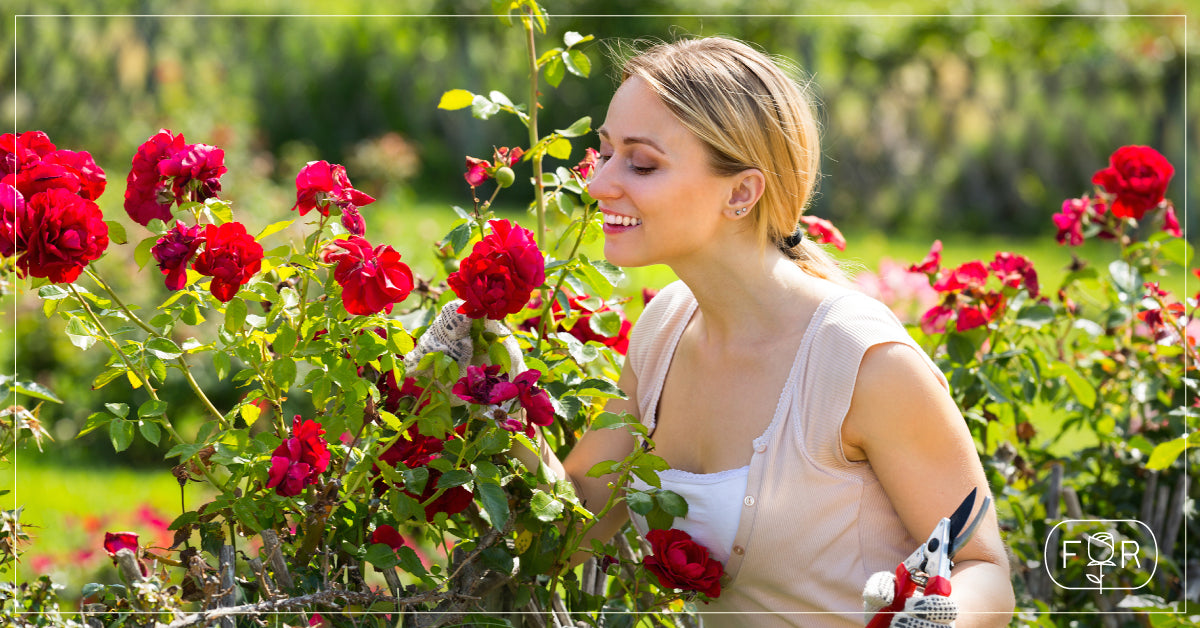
[(603, 133)]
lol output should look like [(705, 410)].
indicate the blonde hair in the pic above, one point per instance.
[(743, 105)]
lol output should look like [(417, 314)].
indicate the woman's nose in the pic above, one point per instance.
[(601, 186)]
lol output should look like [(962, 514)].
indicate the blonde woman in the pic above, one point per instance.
[(815, 442)]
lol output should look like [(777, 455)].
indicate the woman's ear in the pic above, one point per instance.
[(748, 186)]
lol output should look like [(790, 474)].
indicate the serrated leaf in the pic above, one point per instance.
[(53, 292), (607, 324), (639, 502), (560, 148), (671, 503), (285, 340), (495, 502), (184, 519), (150, 431), (116, 232), (119, 410), (235, 315), (612, 273), (456, 99), (555, 71), (283, 371), (121, 434), (577, 63), (454, 477), (80, 334), (164, 348), (152, 407), (222, 364), (577, 128), (544, 506), (459, 237)]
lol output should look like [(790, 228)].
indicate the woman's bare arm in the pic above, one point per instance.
[(905, 425)]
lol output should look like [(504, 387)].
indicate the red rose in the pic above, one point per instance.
[(195, 171), (485, 385), (934, 320), (1171, 222), (824, 232), (372, 280), (477, 171), (299, 460), (415, 449), (353, 221), (116, 541), (971, 275), (174, 251), (503, 269), (1138, 177), (538, 409), (59, 233), (18, 152), (146, 193), (82, 166), (681, 563), (508, 156), (12, 204), (320, 183), (387, 535), (582, 330), (1014, 270), (932, 261), (231, 257), (587, 165)]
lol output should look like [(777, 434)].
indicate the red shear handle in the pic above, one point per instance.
[(938, 585), (905, 587)]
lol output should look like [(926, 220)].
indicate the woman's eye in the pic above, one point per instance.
[(641, 169)]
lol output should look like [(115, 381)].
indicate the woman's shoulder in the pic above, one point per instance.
[(673, 303)]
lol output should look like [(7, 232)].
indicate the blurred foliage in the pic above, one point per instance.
[(967, 122)]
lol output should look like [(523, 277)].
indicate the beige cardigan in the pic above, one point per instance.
[(813, 525)]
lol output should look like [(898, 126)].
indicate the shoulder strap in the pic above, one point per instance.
[(652, 341)]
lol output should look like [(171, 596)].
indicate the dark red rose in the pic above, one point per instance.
[(231, 257), (681, 563), (415, 449), (1070, 221), (1014, 270), (932, 261), (174, 252), (824, 232), (147, 193), (42, 176), (648, 295), (299, 460), (116, 541), (12, 204), (92, 179), (1138, 177), (452, 501), (319, 184), (503, 269), (18, 152), (60, 233), (195, 172), (393, 395), (372, 280), (353, 221), (477, 171), (387, 535), (538, 409), (485, 385)]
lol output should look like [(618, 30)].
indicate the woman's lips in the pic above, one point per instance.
[(618, 223)]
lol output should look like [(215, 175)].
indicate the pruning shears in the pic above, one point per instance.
[(929, 566)]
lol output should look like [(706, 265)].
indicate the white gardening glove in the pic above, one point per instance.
[(450, 333), (920, 611)]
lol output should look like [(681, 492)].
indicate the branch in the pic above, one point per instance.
[(327, 596)]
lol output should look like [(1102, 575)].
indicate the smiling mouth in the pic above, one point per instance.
[(617, 220)]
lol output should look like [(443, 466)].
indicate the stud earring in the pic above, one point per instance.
[(740, 211)]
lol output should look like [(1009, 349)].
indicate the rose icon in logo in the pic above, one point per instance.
[(1103, 543)]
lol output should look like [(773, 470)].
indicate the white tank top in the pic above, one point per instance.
[(714, 506)]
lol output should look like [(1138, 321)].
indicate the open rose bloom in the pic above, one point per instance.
[(681, 563)]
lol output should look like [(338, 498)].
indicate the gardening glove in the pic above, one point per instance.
[(920, 611), (450, 333)]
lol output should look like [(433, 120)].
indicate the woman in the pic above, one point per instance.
[(815, 442)]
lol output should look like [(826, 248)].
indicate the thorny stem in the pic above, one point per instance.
[(533, 131)]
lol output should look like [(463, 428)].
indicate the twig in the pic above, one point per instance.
[(275, 558), (327, 596)]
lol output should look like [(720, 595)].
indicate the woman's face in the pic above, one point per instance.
[(660, 199)]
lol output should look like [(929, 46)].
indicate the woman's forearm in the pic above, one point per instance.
[(983, 593)]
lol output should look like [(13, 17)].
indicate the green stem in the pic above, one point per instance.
[(113, 295), (312, 255), (533, 132), (562, 277)]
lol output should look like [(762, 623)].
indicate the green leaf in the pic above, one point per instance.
[(185, 451), (273, 228), (560, 148), (116, 232), (1035, 316), (121, 434), (555, 71), (960, 348), (609, 420), (612, 273), (35, 390), (119, 410), (607, 324), (222, 363), (142, 253), (459, 237), (53, 292), (152, 407), (495, 502), (1177, 250), (544, 506), (571, 38), (186, 518), (381, 556), (285, 340), (454, 477), (499, 98), (150, 431), (235, 315), (456, 99), (1126, 278), (672, 503), (483, 108), (164, 348), (579, 127), (604, 467), (283, 371), (1083, 390), (639, 502), (95, 421), (577, 63), (1165, 454), (80, 334), (244, 510)]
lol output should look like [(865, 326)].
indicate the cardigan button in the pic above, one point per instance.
[(749, 501), (739, 550), (760, 448)]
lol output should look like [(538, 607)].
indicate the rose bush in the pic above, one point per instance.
[(394, 457)]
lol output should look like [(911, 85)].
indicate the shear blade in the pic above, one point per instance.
[(960, 531)]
